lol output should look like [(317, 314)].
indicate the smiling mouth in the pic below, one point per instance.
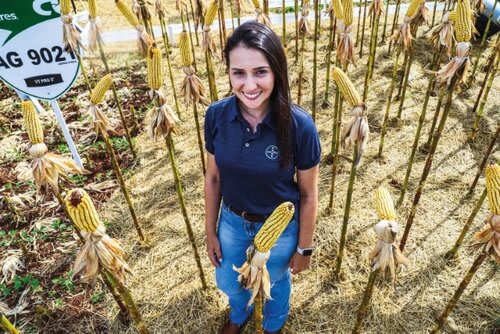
[(252, 96)]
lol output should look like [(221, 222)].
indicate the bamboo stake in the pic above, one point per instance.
[(166, 44), (405, 84), (434, 12), (429, 160), (337, 119), (394, 24), (121, 182), (483, 42), (258, 307), (315, 56), (265, 5), (194, 22), (331, 36), (189, 229), (222, 20), (296, 10), (371, 56), (117, 100), (358, 31), (363, 29), (453, 252), (190, 38), (347, 210), (485, 159), (283, 18), (363, 308), (385, 22), (7, 325), (388, 105), (301, 67), (435, 118), (456, 296), (198, 134), (418, 132), (480, 112), (129, 301)]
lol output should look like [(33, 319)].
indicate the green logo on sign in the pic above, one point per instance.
[(16, 15)]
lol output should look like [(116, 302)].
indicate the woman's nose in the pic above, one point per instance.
[(250, 83)]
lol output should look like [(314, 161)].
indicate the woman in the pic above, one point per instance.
[(257, 143)]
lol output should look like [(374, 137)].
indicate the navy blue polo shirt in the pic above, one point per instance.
[(249, 163)]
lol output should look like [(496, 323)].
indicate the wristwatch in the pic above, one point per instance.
[(305, 251)]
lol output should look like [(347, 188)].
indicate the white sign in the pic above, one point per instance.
[(32, 55)]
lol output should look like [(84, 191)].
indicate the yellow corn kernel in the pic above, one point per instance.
[(185, 50), (452, 16), (346, 87), (82, 210), (127, 12), (274, 225), (33, 125), (413, 7), (211, 12), (93, 8), (100, 89), (65, 7), (338, 9), (463, 24), (348, 16), (256, 3), (384, 204), (493, 187), (155, 67)]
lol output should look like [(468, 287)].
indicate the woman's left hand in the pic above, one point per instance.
[(299, 263)]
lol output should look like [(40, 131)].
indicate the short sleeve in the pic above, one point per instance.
[(308, 149), (210, 129)]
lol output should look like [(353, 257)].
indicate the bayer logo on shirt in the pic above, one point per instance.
[(272, 152)]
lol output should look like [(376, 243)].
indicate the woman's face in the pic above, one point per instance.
[(252, 79)]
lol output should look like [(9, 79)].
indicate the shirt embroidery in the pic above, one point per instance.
[(272, 152)]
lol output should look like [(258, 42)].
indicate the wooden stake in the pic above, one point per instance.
[(484, 161), (363, 308)]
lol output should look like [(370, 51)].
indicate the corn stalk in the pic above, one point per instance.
[(362, 29), (315, 56), (7, 325), (283, 18), (429, 160), (363, 308), (419, 129), (453, 252), (331, 38), (296, 12), (456, 296), (258, 307), (371, 56), (394, 24), (484, 161)]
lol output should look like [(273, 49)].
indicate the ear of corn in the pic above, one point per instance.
[(463, 24), (211, 12), (273, 227), (155, 75), (185, 49), (65, 7), (100, 89), (493, 187), (93, 8), (346, 87), (413, 7), (338, 9), (33, 125), (452, 15), (127, 12), (348, 15), (81, 209), (384, 204), (256, 3)]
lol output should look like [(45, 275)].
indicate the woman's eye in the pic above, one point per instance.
[(238, 73), (261, 73)]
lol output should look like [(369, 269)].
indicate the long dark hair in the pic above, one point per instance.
[(258, 36)]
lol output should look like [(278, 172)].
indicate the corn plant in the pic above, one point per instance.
[(489, 149), (209, 47), (304, 29)]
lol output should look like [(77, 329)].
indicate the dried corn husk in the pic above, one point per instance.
[(47, 167), (356, 132), (421, 16), (162, 121), (377, 7), (71, 36), (442, 34), (304, 24), (403, 34), (345, 46), (460, 62), (99, 121), (386, 254), (192, 88)]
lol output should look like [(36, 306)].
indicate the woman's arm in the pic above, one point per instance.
[(308, 186), (212, 204)]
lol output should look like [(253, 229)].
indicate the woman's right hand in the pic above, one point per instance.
[(213, 250)]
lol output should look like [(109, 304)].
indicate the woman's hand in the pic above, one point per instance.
[(299, 263), (213, 250)]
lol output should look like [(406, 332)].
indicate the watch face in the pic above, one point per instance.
[(307, 252)]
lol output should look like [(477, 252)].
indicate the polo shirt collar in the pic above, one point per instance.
[(235, 115)]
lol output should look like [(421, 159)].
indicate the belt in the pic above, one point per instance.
[(253, 218)]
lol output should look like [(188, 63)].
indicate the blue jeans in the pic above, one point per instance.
[(235, 235)]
